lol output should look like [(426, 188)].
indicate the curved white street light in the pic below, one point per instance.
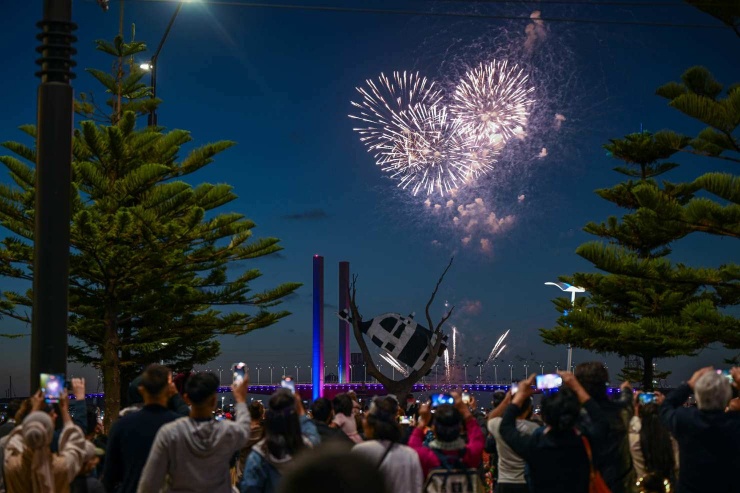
[(568, 288)]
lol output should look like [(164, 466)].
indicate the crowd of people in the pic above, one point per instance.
[(580, 441)]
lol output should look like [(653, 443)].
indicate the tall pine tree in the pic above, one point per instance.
[(153, 260), (632, 315)]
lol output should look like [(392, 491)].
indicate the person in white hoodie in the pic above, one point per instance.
[(192, 454)]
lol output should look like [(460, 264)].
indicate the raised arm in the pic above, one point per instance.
[(521, 444), (672, 406), (71, 441)]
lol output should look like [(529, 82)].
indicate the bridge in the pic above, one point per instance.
[(367, 389)]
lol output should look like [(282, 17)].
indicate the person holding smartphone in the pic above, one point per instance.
[(510, 466), (45, 471), (195, 452), (557, 456)]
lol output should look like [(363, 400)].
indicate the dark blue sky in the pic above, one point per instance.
[(279, 82)]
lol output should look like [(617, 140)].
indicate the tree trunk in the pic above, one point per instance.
[(647, 373), (400, 389), (111, 374)]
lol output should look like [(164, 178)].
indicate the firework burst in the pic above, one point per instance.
[(428, 152), (492, 102), (383, 100)]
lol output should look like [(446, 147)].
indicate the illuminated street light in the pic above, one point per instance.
[(568, 288)]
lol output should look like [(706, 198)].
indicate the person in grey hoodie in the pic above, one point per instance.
[(191, 455)]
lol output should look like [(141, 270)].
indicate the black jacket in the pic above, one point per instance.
[(708, 445), (129, 443), (557, 461), (612, 455), (327, 433)]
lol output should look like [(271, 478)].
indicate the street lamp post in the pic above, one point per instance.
[(466, 373), (526, 371), (296, 374), (511, 373), (495, 373), (258, 375), (53, 191), (364, 369), (271, 368), (564, 286), (152, 65)]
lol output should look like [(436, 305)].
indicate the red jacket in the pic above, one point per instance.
[(473, 449)]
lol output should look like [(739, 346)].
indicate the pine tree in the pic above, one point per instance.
[(152, 268), (639, 315)]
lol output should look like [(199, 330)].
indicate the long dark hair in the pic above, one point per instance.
[(655, 442), (282, 427), (560, 410)]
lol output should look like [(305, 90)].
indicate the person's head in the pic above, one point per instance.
[(256, 411), (498, 398), (282, 427), (322, 410), (381, 421), (201, 390), (447, 424), (655, 442), (560, 410), (343, 404), (594, 378), (333, 468), (154, 383), (712, 392), (38, 430)]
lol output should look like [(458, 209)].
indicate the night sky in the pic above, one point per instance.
[(280, 82)]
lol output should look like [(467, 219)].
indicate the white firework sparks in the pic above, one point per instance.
[(492, 103), (454, 342), (496, 351), (392, 361), (426, 151), (384, 100), (413, 137), (447, 363)]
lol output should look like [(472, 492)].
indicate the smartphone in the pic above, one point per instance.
[(466, 397), (405, 420), (52, 385), (646, 398), (514, 388), (549, 381), (727, 375), (288, 383), (439, 399), (239, 370)]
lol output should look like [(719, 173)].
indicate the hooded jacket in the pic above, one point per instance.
[(193, 456), (27, 470)]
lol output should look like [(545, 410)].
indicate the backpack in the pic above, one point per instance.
[(452, 476)]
